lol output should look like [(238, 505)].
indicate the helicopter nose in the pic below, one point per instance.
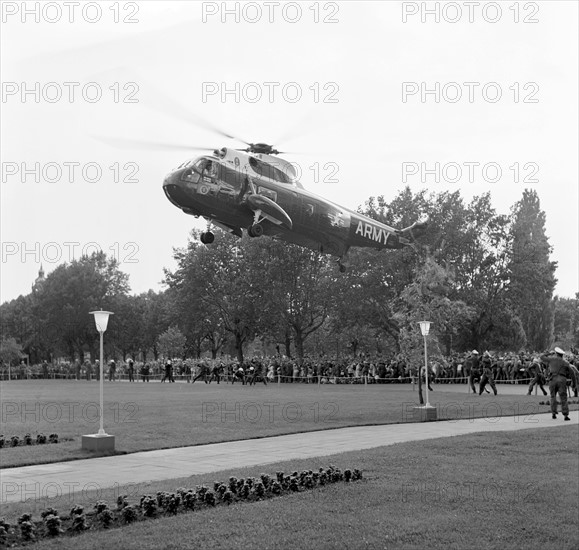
[(173, 188)]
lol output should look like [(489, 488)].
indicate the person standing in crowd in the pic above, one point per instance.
[(536, 371), (131, 370), (112, 370), (97, 367), (88, 370), (45, 370), (487, 374), (559, 371)]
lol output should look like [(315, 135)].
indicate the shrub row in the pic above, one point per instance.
[(164, 503), (15, 441)]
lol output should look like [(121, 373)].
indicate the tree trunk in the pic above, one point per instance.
[(299, 343), (239, 346), (288, 342), (420, 398)]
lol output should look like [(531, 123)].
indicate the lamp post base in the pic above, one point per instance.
[(98, 442), (425, 414)]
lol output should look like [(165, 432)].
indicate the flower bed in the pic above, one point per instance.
[(15, 441), (163, 503)]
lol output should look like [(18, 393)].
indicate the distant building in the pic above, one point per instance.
[(39, 280)]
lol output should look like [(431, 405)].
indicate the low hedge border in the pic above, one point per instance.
[(184, 500)]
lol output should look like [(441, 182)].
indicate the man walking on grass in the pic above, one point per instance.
[(559, 371)]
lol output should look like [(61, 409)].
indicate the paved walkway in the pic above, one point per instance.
[(32, 482)]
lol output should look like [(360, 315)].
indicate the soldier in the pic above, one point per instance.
[(203, 372), (168, 372), (559, 371), (471, 369), (131, 369), (216, 372), (487, 373), (112, 370), (257, 374), (536, 370), (238, 374), (88, 369), (145, 372)]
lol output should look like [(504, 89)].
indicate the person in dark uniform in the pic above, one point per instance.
[(471, 369), (559, 371), (112, 370), (536, 370), (131, 369), (487, 373), (45, 370), (238, 374), (203, 372), (216, 372), (88, 370), (168, 372), (145, 372), (257, 374)]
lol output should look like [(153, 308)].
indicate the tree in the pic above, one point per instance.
[(217, 283), (566, 322), (10, 351), (171, 342), (531, 272), (300, 288), (70, 292)]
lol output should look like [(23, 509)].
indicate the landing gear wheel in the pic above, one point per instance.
[(255, 230), (207, 237)]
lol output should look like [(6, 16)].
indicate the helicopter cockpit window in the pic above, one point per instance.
[(268, 171)]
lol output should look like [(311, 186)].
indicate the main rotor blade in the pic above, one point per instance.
[(159, 101), (150, 145)]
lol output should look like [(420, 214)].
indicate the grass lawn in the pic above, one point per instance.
[(483, 491), (156, 416)]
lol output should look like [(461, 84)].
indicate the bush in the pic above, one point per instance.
[(27, 530), (48, 512), (148, 505), (53, 438), (129, 514), (122, 502), (40, 439), (53, 524), (27, 439), (14, 441)]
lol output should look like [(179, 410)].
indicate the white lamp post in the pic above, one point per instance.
[(425, 329), (101, 440)]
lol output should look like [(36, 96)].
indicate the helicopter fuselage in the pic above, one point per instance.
[(236, 190)]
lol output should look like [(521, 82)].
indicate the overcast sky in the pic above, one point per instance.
[(340, 84)]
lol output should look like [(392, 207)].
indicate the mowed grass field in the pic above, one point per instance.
[(154, 415), (499, 491)]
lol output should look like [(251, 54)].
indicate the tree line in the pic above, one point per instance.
[(484, 279)]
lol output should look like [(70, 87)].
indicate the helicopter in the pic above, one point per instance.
[(254, 189)]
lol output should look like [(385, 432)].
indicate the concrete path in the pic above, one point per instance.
[(35, 482)]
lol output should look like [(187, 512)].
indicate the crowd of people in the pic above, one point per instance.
[(467, 368)]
